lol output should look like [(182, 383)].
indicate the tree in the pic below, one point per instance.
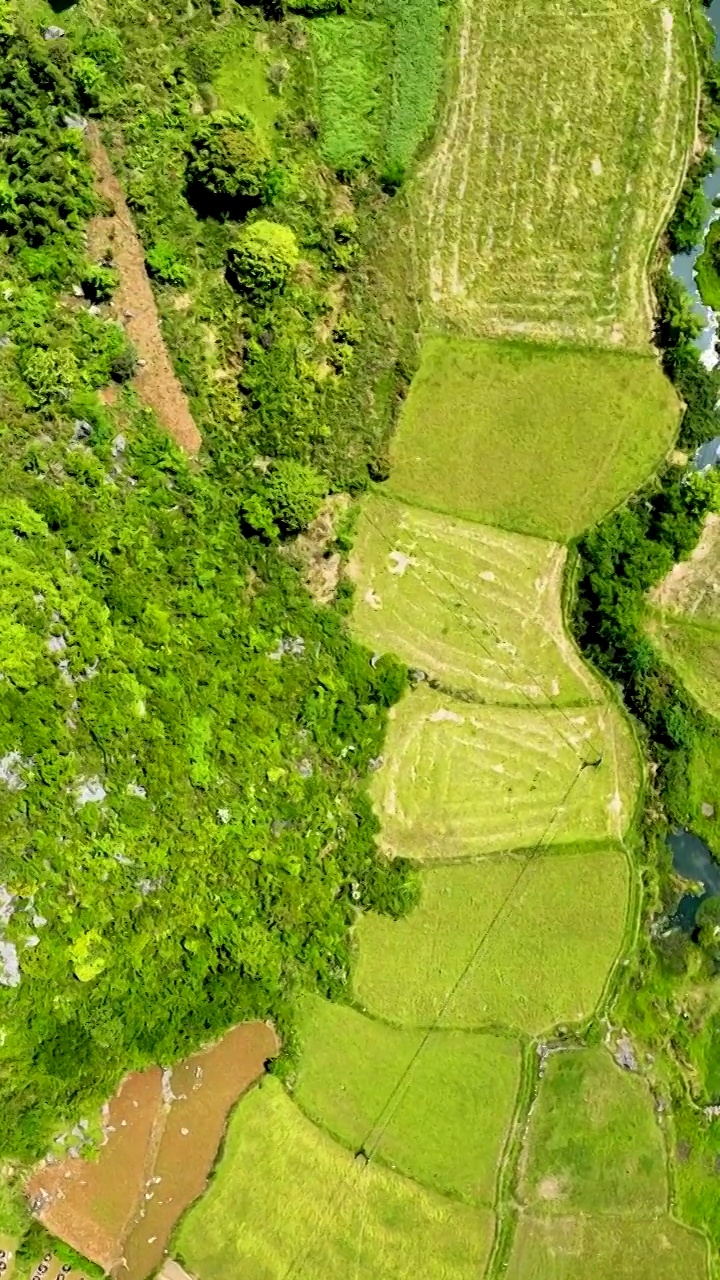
[(228, 160), (263, 257), (294, 493), (51, 374)]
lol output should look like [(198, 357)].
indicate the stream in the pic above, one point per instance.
[(682, 266), (693, 861)]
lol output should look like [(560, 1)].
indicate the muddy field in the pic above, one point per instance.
[(162, 1133)]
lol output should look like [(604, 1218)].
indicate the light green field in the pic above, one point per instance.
[(561, 145), (606, 1248), (473, 607), (241, 82), (594, 1144), (693, 649), (534, 439), (460, 780), (287, 1200), (447, 1125), (545, 960)]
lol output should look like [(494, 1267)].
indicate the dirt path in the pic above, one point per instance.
[(133, 305)]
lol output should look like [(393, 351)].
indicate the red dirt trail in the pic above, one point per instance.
[(133, 304)]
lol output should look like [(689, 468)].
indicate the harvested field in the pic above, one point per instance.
[(544, 962), (561, 145), (287, 1199), (693, 649), (692, 588), (446, 1129), (461, 780), (133, 305), (594, 1144), (607, 1248), (473, 607), (534, 439), (162, 1139)]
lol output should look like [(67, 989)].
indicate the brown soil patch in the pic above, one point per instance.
[(163, 1132), (694, 583), (322, 571), (133, 305), (551, 1188)]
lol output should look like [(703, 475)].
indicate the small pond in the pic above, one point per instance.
[(693, 861)]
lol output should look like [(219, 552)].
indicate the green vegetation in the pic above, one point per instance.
[(184, 733), (461, 780), (594, 1143), (693, 651), (303, 1201), (484, 421), (447, 1127), (544, 963), (475, 608), (595, 1248), (263, 257), (379, 81), (707, 269), (540, 205)]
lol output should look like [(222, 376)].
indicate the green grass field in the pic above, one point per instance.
[(560, 148), (606, 1248), (693, 649), (544, 962), (474, 607), (594, 1144), (447, 1126), (530, 438), (350, 57), (461, 780), (287, 1200), (241, 82)]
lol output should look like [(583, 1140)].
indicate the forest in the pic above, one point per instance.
[(185, 734)]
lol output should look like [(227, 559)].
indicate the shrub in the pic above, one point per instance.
[(228, 160), (99, 283), (293, 494), (165, 264), (263, 257), (51, 374)]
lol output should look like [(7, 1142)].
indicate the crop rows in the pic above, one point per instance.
[(561, 146)]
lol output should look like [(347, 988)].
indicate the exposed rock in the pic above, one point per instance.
[(90, 791), (707, 810), (9, 965), (11, 767), (53, 33), (624, 1054), (82, 429), (75, 122)]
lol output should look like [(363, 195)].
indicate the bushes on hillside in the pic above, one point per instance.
[(263, 257), (227, 161)]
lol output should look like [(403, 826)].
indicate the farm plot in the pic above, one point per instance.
[(473, 607), (594, 1144), (693, 649), (556, 926), (287, 1199), (598, 1248), (560, 148), (534, 439), (461, 780), (445, 1127)]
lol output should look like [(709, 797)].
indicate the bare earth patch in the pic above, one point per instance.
[(693, 585), (133, 305)]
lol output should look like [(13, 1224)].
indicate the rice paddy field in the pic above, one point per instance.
[(446, 1129), (477, 609), (560, 925), (559, 151), (533, 439), (460, 780), (424, 1127), (288, 1201), (600, 1248), (684, 619)]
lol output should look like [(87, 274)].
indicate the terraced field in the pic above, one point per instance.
[(684, 619), (560, 148), (558, 931), (475, 608), (535, 439), (288, 1201)]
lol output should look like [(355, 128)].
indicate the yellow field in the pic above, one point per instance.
[(562, 143)]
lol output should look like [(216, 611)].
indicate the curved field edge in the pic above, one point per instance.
[(362, 1220)]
